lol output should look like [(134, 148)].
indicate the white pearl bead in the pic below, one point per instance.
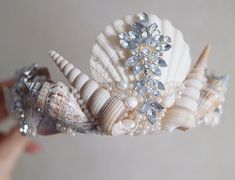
[(122, 85), (168, 101), (131, 102), (129, 124)]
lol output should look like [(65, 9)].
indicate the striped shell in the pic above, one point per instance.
[(107, 61), (183, 114), (104, 108)]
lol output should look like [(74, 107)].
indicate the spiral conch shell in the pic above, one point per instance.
[(211, 99), (182, 114), (105, 108), (57, 100)]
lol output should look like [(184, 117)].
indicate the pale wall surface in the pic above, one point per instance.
[(28, 29)]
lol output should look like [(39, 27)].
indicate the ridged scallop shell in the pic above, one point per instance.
[(182, 114), (60, 104), (107, 61), (104, 108)]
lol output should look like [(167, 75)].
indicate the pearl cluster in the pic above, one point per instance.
[(65, 129), (137, 122)]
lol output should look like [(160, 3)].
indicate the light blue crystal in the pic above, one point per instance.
[(144, 108), (137, 69), (161, 86), (146, 50), (124, 43), (152, 28), (124, 36), (144, 34), (139, 85), (132, 61), (152, 116), (154, 68), (144, 19), (156, 106), (161, 62)]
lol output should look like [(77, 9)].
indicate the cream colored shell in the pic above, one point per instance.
[(108, 58), (183, 114), (106, 109)]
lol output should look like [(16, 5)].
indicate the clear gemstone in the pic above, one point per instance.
[(139, 85), (124, 36), (161, 62), (151, 116), (155, 70), (161, 86), (132, 61), (156, 106), (137, 27), (166, 47), (152, 28), (137, 69), (146, 50), (157, 92), (132, 35), (144, 34), (144, 19), (124, 43), (144, 108)]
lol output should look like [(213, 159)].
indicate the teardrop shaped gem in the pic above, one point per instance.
[(124, 43), (161, 86), (152, 28), (137, 69), (162, 62), (144, 19), (154, 68), (124, 36), (151, 116), (156, 106), (139, 85), (133, 61)]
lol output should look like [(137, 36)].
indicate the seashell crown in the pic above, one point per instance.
[(142, 83)]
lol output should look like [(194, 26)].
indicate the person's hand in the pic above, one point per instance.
[(12, 144)]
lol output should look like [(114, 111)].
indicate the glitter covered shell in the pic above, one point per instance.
[(108, 58), (58, 102)]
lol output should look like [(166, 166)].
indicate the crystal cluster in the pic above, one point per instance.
[(147, 45)]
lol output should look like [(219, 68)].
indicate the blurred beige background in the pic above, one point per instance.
[(28, 29)]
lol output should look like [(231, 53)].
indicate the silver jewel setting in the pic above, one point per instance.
[(147, 45)]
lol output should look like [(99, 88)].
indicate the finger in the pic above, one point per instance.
[(3, 110), (8, 83), (12, 145), (33, 148)]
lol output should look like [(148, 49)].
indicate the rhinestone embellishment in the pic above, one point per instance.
[(147, 45)]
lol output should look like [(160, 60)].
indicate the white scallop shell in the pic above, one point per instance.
[(107, 61)]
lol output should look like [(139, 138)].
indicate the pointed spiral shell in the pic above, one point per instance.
[(108, 110), (182, 114)]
